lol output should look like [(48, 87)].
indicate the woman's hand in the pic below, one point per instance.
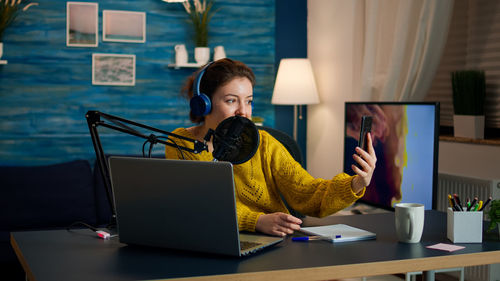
[(366, 160), (278, 224)]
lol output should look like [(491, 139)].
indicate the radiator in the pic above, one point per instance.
[(469, 187)]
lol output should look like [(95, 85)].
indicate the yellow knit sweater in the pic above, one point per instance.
[(271, 171)]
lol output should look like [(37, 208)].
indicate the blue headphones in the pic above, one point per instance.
[(200, 103)]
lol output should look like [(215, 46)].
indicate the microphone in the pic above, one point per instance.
[(235, 140)]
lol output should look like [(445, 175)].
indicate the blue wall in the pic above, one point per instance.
[(46, 88), (291, 42)]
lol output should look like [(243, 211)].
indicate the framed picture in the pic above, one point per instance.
[(123, 26), (113, 69), (81, 24)]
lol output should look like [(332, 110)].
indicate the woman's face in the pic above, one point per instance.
[(233, 98)]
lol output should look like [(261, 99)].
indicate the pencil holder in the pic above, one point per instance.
[(465, 227)]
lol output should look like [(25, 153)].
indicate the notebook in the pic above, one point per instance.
[(339, 233), (180, 204)]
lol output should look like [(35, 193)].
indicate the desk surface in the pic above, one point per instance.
[(80, 255)]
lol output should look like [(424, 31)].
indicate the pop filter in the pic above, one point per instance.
[(235, 140)]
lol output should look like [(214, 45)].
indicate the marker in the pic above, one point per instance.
[(472, 204), (457, 200), (475, 207), (311, 238), (485, 203), (479, 206), (452, 205)]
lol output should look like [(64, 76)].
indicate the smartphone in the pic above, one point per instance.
[(366, 127)]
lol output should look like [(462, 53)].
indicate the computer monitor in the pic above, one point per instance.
[(406, 139)]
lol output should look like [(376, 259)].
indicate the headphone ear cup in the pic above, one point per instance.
[(200, 105)]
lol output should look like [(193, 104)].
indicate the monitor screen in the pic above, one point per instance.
[(405, 138)]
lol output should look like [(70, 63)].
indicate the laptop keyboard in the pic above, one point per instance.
[(245, 245)]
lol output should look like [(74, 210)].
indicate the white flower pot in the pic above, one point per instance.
[(201, 55), (468, 126), (1, 50)]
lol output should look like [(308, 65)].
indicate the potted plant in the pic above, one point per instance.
[(200, 13), (494, 215), (9, 10), (469, 90)]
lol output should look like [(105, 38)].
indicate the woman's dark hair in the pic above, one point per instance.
[(216, 75)]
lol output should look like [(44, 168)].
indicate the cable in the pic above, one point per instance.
[(82, 223), (150, 149), (176, 145), (102, 234), (143, 145)]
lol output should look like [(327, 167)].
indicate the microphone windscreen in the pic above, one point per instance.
[(235, 140)]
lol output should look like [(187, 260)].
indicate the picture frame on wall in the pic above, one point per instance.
[(123, 26), (113, 69), (82, 24)]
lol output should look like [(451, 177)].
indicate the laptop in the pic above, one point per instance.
[(180, 204)]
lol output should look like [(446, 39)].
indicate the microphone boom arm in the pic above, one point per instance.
[(94, 120)]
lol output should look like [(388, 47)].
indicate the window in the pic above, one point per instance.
[(473, 43)]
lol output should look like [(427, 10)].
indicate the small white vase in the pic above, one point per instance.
[(181, 55), (1, 50), (219, 53), (201, 55), (468, 126)]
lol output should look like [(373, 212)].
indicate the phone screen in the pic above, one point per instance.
[(366, 126)]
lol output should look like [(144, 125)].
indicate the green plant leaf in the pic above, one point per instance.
[(469, 91), (494, 214)]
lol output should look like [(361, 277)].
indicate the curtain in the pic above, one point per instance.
[(402, 43), (367, 50)]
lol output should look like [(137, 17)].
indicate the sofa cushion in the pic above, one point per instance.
[(46, 196)]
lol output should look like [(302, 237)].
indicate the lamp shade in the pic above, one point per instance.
[(295, 83)]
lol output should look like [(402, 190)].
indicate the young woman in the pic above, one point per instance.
[(272, 170)]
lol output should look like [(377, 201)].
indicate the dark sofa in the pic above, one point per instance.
[(47, 197)]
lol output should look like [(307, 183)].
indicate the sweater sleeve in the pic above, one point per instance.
[(247, 219), (304, 193)]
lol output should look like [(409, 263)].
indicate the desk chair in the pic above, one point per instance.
[(293, 148)]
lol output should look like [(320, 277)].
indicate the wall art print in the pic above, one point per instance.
[(81, 24), (113, 69), (124, 26)]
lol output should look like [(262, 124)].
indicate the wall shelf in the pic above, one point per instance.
[(450, 138), (185, 65), (3, 62)]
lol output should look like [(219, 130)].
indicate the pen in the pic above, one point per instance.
[(457, 200), (485, 203), (310, 238)]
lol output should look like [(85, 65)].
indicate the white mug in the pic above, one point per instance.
[(409, 222), (219, 53), (181, 55)]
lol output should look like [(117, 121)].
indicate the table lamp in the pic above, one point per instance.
[(295, 85)]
